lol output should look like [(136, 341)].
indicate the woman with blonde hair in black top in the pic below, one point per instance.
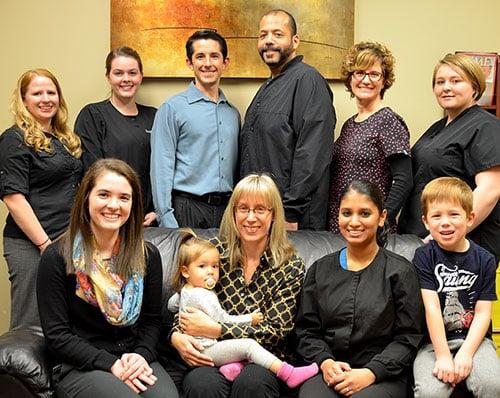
[(40, 170)]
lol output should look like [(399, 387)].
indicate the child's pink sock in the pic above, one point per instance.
[(231, 370), (295, 376)]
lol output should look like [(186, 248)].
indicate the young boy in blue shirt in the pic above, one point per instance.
[(457, 281)]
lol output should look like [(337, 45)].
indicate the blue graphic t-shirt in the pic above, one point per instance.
[(460, 280)]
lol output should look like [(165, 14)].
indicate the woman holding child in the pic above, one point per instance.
[(360, 315), (259, 271), (464, 144), (99, 293)]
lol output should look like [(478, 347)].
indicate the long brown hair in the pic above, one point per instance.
[(34, 135), (132, 256)]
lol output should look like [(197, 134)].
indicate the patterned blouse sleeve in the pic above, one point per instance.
[(279, 310), (394, 135)]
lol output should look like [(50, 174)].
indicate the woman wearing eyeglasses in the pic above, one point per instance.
[(259, 270), (374, 144)]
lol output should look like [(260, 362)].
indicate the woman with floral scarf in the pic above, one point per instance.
[(99, 293)]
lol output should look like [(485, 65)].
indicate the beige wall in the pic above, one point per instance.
[(71, 38)]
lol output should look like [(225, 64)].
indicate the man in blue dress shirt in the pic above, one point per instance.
[(194, 142)]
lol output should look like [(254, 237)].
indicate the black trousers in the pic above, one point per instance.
[(317, 388), (102, 384), (206, 382), (196, 214)]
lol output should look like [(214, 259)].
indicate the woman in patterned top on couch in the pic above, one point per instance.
[(259, 270)]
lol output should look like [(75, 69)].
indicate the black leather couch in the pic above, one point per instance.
[(25, 364)]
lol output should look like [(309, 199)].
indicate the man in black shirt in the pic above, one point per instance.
[(288, 129)]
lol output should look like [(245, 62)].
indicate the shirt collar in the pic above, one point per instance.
[(290, 64), (195, 95)]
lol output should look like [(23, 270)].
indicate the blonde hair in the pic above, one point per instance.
[(451, 189), (190, 248), (34, 135), (256, 185), (364, 54), (467, 68)]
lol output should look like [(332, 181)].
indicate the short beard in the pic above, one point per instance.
[(284, 54)]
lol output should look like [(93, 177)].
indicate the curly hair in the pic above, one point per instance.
[(364, 54), (34, 135)]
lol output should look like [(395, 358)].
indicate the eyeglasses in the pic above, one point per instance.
[(373, 76), (259, 210)]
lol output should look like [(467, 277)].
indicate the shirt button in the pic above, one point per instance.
[(258, 103)]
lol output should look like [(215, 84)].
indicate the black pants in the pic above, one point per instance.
[(206, 382), (317, 388), (196, 214), (102, 384)]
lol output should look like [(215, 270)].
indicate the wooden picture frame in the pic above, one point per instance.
[(489, 64), (158, 30)]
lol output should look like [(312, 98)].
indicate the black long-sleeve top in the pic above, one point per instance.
[(106, 133), (76, 331), (371, 318), (288, 132)]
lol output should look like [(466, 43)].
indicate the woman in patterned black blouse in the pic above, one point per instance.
[(259, 271), (374, 144)]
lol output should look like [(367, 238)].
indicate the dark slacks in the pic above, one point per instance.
[(317, 388), (206, 382), (22, 259), (102, 384), (196, 214)]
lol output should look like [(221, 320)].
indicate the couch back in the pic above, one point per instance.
[(310, 245)]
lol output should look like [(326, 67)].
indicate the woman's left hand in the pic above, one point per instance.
[(149, 218), (354, 380), (196, 323), (137, 370)]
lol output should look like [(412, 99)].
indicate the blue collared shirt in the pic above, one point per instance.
[(194, 149)]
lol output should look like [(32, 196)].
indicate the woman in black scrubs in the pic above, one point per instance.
[(40, 170), (464, 144), (119, 127)]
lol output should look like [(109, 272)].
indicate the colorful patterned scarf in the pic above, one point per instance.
[(119, 300)]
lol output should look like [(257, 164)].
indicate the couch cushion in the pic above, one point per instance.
[(23, 354)]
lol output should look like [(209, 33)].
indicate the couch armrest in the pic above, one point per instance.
[(23, 355)]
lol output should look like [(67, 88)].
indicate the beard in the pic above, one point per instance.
[(283, 58)]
